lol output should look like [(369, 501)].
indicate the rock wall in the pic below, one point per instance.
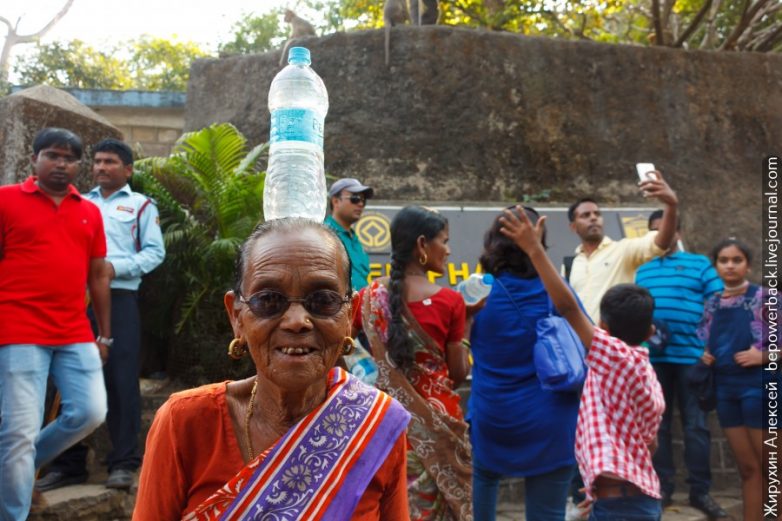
[(24, 113), (466, 115)]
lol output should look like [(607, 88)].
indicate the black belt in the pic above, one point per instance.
[(120, 291)]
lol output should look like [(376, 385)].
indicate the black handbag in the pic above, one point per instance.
[(659, 340), (702, 385)]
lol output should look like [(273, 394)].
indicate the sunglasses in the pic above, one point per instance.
[(268, 303), (356, 198)]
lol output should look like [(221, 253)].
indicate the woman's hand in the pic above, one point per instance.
[(707, 358), (518, 228), (752, 357), (472, 309)]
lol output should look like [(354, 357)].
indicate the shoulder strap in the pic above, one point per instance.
[(548, 299), (567, 262), (146, 202)]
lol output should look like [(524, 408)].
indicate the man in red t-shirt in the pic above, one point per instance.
[(52, 247)]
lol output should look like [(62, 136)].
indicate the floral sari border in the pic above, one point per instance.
[(321, 467)]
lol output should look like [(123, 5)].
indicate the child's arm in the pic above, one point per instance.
[(517, 227)]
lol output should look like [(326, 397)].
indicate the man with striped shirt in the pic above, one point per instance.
[(680, 282)]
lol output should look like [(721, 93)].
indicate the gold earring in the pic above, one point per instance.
[(348, 346), (236, 349), (423, 258)]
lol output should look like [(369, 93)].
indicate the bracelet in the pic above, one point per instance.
[(108, 342), (466, 343)]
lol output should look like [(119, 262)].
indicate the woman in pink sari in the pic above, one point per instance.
[(415, 329), (300, 440)]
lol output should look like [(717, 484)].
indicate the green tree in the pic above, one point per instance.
[(161, 64), (255, 34), (73, 64), (152, 64), (744, 25), (209, 192)]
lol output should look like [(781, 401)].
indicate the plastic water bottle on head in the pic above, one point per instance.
[(295, 179), (475, 287)]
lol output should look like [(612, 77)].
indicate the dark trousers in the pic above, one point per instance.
[(628, 508), (697, 439), (121, 374)]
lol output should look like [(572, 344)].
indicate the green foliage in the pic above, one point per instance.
[(209, 192), (153, 64), (254, 34), (160, 64), (73, 64), (704, 24)]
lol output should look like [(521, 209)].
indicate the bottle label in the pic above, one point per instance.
[(296, 125)]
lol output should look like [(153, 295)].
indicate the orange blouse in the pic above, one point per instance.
[(192, 450)]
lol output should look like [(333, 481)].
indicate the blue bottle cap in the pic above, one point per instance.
[(299, 56), (488, 279)]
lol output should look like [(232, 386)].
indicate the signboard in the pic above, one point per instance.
[(467, 226)]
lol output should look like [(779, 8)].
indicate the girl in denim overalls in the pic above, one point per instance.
[(735, 332)]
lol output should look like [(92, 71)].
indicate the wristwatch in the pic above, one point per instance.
[(105, 341)]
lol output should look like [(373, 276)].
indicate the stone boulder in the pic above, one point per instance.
[(24, 113), (469, 115)]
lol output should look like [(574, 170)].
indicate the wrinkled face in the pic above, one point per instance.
[(732, 265), (437, 252), (110, 172), (294, 349), (588, 222), (346, 210), (56, 168)]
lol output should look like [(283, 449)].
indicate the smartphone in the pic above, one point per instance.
[(645, 171)]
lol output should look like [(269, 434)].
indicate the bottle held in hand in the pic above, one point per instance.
[(475, 288)]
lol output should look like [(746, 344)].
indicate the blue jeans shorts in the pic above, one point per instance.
[(740, 406)]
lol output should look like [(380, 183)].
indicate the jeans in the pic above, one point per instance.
[(697, 439), (24, 446), (545, 495), (628, 508), (121, 374)]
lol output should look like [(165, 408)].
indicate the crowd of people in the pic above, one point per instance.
[(303, 438)]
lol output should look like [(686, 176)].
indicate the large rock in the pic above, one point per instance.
[(471, 115), (24, 113)]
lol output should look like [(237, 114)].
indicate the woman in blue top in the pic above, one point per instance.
[(735, 334), (516, 428)]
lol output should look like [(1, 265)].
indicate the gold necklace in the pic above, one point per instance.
[(247, 417)]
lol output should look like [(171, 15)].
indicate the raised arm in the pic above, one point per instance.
[(517, 227), (657, 188)]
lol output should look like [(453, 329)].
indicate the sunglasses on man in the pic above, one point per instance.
[(356, 198)]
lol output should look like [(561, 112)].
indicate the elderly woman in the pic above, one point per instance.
[(415, 329), (301, 439)]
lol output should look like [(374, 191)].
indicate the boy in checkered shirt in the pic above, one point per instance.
[(622, 402)]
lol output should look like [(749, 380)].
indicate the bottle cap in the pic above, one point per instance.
[(299, 56), (488, 279)]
